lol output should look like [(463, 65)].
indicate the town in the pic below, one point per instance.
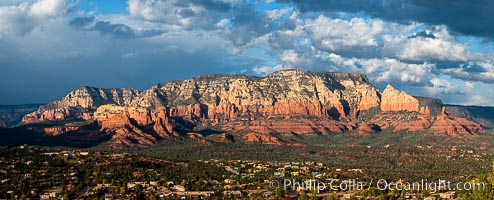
[(29, 172)]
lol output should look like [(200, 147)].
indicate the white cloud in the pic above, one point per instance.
[(293, 58), (333, 34), (386, 70), (441, 87), (436, 45), (224, 23), (268, 69), (432, 49), (180, 14), (474, 71), (44, 8), (470, 85), (13, 18), (277, 13), (23, 17)]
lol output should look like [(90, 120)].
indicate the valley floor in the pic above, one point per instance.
[(186, 168)]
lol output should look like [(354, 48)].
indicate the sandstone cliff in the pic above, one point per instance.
[(81, 103), (395, 100), (446, 124), (251, 109), (288, 92), (135, 126), (443, 123)]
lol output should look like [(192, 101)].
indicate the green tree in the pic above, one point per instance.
[(279, 193), (303, 195), (332, 196), (383, 197), (122, 190)]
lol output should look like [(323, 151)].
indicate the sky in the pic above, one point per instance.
[(442, 49)]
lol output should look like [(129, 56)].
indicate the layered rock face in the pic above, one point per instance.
[(135, 126), (446, 124), (252, 109), (257, 138), (395, 100), (288, 92), (81, 103), (443, 123)]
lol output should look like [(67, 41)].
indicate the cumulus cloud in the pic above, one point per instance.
[(265, 70), (420, 48), (44, 8), (441, 86), (473, 71), (387, 70), (158, 40), (14, 18), (292, 58), (333, 34), (430, 45), (465, 17), (277, 13), (23, 17), (180, 14)]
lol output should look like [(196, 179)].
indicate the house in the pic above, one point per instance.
[(233, 194), (44, 197), (266, 194), (169, 183), (447, 195), (348, 195), (291, 196), (52, 192), (178, 188), (279, 174), (356, 170), (108, 196)]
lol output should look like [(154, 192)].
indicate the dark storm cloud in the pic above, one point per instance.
[(127, 63), (249, 24), (471, 17)]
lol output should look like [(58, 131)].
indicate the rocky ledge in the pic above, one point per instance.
[(251, 109)]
